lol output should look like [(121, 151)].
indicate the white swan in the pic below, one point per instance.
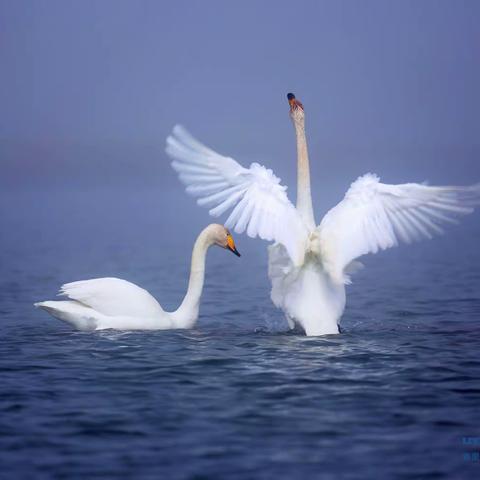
[(103, 303), (309, 265)]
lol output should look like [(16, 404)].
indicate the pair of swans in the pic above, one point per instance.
[(308, 265)]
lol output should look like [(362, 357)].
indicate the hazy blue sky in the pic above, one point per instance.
[(90, 89)]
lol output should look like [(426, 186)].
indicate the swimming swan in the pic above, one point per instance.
[(309, 265), (103, 303)]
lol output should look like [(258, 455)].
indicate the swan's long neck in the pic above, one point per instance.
[(187, 313), (304, 195)]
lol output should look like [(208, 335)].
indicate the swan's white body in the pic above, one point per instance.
[(309, 265), (306, 294), (104, 303)]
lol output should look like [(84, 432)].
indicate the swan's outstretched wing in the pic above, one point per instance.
[(113, 296), (260, 204), (374, 216)]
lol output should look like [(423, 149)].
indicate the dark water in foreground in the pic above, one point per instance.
[(237, 397)]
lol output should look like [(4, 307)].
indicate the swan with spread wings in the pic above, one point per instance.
[(310, 265)]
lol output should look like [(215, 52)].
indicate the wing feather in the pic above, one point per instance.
[(374, 216), (113, 296), (259, 203)]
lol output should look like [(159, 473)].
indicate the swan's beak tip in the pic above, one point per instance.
[(234, 250), (293, 102), (231, 246)]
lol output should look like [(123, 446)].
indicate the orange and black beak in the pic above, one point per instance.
[(231, 245), (293, 102)]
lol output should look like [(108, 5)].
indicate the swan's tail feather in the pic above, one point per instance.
[(74, 313)]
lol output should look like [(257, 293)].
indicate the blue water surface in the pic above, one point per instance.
[(238, 396)]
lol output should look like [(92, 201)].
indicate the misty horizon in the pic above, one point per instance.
[(88, 98)]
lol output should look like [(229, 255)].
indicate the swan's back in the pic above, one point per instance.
[(113, 297)]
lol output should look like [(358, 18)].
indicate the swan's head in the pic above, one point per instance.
[(222, 237), (296, 108)]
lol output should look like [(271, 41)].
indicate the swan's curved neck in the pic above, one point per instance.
[(187, 313), (304, 195)]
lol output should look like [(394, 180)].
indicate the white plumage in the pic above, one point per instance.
[(259, 203), (103, 303), (309, 265), (113, 296), (374, 216)]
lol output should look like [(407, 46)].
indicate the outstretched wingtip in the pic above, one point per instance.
[(475, 188), (177, 128)]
